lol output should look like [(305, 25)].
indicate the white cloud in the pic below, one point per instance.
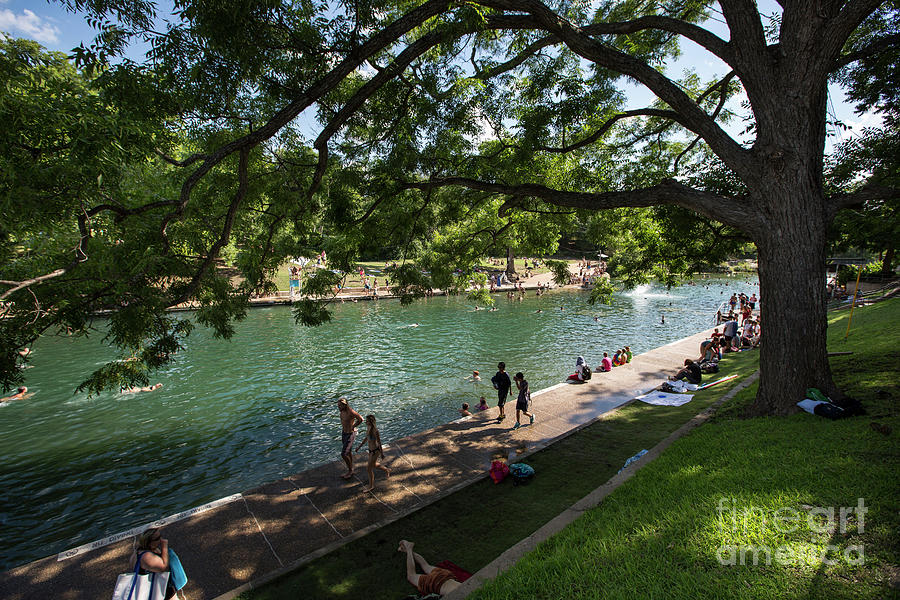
[(30, 25)]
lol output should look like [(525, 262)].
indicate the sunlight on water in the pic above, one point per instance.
[(234, 415)]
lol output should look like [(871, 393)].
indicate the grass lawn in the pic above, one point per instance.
[(664, 535), (476, 524)]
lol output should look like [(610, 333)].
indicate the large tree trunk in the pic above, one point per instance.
[(793, 354), (510, 262), (886, 270)]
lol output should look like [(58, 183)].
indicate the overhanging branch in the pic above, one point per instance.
[(720, 208), (864, 194)]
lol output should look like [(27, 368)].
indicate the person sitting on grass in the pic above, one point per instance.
[(434, 580), (709, 351), (690, 373)]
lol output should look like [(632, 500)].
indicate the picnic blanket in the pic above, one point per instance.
[(665, 399)]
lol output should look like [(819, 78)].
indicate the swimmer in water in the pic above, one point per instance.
[(662, 320), (538, 311), (21, 394), (149, 388), (596, 318)]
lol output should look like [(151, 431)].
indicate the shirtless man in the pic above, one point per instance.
[(149, 388), (349, 421), (20, 394)]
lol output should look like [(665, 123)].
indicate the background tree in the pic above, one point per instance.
[(484, 95)]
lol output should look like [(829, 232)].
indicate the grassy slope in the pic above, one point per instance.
[(478, 523), (658, 535)]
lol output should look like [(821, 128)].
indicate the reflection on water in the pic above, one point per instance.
[(233, 415)]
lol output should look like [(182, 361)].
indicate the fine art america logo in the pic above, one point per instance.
[(819, 522)]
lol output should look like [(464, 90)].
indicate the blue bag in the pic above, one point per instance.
[(521, 473), (179, 577)]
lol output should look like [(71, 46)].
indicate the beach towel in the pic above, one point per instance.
[(664, 399), (634, 458)]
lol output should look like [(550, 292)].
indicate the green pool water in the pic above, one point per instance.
[(233, 415)]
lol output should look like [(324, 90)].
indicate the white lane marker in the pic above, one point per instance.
[(265, 537), (137, 530)]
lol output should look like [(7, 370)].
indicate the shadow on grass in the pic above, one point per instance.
[(476, 524)]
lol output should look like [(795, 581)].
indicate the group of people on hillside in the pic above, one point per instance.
[(735, 312)]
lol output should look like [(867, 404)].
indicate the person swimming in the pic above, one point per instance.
[(21, 394), (149, 388)]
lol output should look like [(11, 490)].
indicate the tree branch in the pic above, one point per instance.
[(18, 285), (866, 193), (381, 40), (607, 125), (720, 208), (692, 116), (882, 43)]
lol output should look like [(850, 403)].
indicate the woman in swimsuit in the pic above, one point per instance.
[(435, 580), (375, 451)]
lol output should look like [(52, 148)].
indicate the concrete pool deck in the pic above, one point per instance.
[(246, 540)]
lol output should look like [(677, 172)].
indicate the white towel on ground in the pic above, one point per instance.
[(665, 399)]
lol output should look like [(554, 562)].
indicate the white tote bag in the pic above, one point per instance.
[(131, 586)]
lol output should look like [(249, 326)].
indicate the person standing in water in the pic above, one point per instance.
[(349, 421), (524, 399), (375, 451)]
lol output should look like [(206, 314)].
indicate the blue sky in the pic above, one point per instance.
[(57, 29)]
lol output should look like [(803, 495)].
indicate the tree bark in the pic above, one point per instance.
[(793, 355), (510, 261), (886, 270)]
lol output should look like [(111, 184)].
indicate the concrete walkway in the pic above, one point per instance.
[(248, 539)]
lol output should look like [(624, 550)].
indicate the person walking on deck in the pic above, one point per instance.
[(373, 437), (502, 384), (349, 421), (524, 399)]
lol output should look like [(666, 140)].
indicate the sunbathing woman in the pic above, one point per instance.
[(435, 580)]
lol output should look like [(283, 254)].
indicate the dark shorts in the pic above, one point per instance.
[(522, 405), (501, 397), (347, 440)]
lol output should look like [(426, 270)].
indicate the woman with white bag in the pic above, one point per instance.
[(157, 571), (153, 553)]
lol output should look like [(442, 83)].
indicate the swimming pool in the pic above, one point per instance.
[(233, 415)]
